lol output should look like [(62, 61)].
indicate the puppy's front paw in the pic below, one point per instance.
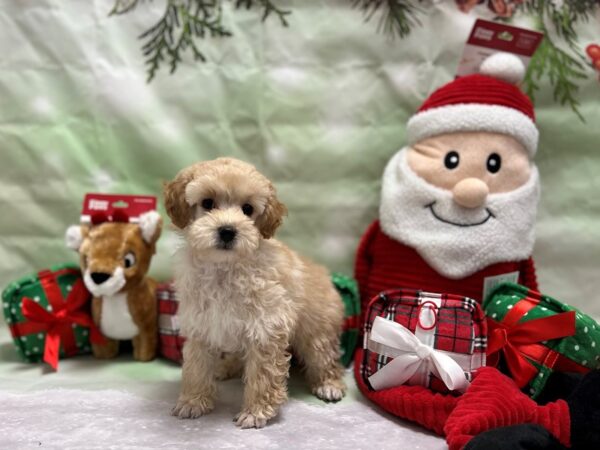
[(192, 408), (246, 419), (330, 391)]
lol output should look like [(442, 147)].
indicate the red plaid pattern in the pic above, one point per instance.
[(170, 343), (460, 328)]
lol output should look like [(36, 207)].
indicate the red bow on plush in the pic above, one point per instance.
[(520, 343), (58, 324), (118, 215)]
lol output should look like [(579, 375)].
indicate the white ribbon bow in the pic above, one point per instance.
[(411, 356)]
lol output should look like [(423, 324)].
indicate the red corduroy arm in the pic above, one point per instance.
[(528, 276), (362, 265)]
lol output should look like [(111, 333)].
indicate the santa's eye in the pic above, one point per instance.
[(129, 260), (247, 209), (208, 204), (451, 160), (494, 162)]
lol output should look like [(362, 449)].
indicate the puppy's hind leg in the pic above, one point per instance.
[(318, 347), (198, 385)]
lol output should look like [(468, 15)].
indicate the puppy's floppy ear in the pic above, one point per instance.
[(271, 217), (176, 205), (75, 235)]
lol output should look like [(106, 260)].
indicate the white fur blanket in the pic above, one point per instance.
[(85, 419)]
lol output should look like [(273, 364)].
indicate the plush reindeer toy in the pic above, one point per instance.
[(114, 258)]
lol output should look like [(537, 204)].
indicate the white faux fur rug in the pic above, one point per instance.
[(84, 419)]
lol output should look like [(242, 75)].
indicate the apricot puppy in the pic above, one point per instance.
[(246, 300)]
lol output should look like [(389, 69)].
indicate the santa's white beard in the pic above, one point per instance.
[(454, 240)]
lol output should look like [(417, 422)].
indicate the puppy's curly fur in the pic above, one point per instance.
[(247, 300)]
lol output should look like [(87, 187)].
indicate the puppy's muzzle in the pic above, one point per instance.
[(227, 236)]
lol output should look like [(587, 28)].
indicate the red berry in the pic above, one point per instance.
[(597, 64), (593, 51)]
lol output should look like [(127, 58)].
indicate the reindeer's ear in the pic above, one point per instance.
[(75, 235), (176, 205), (271, 217), (150, 225)]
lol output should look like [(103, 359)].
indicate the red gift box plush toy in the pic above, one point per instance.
[(457, 216)]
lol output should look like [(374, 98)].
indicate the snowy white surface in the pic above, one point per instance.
[(75, 418), (122, 404)]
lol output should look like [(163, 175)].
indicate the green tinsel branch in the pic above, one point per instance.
[(563, 68), (184, 23), (268, 8), (124, 6), (176, 31), (397, 17)]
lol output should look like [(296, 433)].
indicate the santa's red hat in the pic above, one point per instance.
[(487, 101)]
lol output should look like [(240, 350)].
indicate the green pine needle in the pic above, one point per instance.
[(564, 69), (184, 23), (397, 17)]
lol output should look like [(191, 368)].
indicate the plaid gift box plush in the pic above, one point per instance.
[(531, 335), (171, 343), (48, 315), (449, 325)]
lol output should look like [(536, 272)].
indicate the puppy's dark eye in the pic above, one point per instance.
[(451, 160), (129, 260), (247, 209), (208, 204), (494, 162)]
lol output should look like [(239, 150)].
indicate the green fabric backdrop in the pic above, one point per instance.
[(319, 107)]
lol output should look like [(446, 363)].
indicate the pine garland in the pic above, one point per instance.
[(268, 8), (397, 17), (186, 22), (124, 6), (564, 69)]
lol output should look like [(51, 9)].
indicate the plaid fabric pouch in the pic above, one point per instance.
[(434, 340), (170, 342), (532, 335)]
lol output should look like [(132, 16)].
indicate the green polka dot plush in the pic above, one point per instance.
[(29, 338), (579, 352), (348, 290)]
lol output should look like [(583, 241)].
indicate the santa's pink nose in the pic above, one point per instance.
[(470, 192)]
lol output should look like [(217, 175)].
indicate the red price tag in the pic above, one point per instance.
[(115, 207), (487, 38)]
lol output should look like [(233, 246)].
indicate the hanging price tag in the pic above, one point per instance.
[(487, 38), (115, 207)]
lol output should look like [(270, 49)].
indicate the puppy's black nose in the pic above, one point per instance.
[(227, 234), (99, 277)]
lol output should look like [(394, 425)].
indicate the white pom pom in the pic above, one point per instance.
[(74, 237), (503, 66), (149, 222)]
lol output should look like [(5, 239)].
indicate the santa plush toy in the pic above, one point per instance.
[(457, 215)]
